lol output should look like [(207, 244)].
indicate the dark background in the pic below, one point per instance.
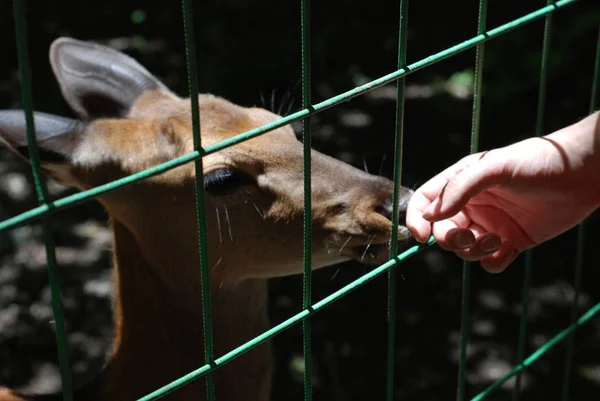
[(246, 48)]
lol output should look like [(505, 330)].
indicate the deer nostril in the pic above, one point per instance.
[(402, 217), (386, 210)]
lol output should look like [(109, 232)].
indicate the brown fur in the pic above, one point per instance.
[(157, 307)]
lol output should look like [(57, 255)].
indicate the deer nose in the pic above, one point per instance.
[(386, 209)]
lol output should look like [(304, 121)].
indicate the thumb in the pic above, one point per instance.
[(467, 183)]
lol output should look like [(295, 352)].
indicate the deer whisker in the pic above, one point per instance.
[(292, 101), (273, 100), (262, 99), (228, 223), (218, 263), (284, 99), (219, 225), (344, 244), (255, 206), (368, 246), (381, 165)]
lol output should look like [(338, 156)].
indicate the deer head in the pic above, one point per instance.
[(129, 121)]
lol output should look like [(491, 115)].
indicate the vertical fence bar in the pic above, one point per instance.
[(594, 104), (539, 129), (42, 197), (521, 345), (192, 70), (306, 138), (398, 149), (466, 278)]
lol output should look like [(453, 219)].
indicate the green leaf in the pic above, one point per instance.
[(138, 16)]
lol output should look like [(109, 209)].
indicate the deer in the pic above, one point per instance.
[(126, 121)]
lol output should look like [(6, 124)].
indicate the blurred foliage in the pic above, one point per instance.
[(251, 48)]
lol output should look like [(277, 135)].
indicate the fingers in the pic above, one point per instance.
[(485, 245), (437, 208), (468, 182), (452, 234), (419, 227), (456, 239), (475, 244), (422, 198), (471, 244), (500, 260)]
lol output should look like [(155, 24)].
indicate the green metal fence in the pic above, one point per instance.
[(212, 362)]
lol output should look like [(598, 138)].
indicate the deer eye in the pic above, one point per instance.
[(222, 181)]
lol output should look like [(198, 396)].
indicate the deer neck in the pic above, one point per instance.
[(159, 332)]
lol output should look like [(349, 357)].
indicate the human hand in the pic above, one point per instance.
[(490, 206)]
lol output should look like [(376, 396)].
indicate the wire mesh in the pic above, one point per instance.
[(46, 207)]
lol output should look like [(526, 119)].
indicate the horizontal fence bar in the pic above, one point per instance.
[(541, 351), (305, 313), (60, 204)]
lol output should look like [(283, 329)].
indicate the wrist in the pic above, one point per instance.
[(580, 143)]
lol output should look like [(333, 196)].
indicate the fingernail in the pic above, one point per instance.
[(463, 240), (489, 244)]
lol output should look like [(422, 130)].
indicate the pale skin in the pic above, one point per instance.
[(493, 205)]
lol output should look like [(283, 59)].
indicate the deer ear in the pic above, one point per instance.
[(97, 81), (56, 137)]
